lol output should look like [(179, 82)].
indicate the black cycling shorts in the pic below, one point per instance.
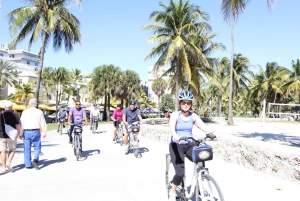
[(116, 123)]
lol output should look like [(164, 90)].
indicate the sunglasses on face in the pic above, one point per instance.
[(186, 103), (78, 104)]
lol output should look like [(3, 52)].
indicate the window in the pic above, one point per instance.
[(36, 64), (1, 55), (85, 100), (28, 62), (36, 69), (11, 56), (20, 81)]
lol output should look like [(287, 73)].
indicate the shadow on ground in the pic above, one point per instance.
[(89, 153), (44, 163), (280, 138)]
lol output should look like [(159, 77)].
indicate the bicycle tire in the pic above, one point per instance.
[(120, 136), (60, 128), (208, 194), (77, 147), (167, 179), (136, 149), (93, 127)]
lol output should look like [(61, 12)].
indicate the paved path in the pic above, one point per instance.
[(107, 174)]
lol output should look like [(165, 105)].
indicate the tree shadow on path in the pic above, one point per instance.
[(281, 138)]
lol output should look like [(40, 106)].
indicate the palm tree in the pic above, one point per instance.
[(45, 19), (267, 84), (159, 86), (8, 74), (293, 83), (47, 80), (231, 9), (133, 86), (173, 27), (23, 93)]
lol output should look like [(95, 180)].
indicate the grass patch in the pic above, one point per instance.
[(53, 126)]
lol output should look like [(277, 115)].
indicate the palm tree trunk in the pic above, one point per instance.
[(104, 108), (108, 107), (219, 106), (42, 52), (230, 115), (158, 104), (177, 86)]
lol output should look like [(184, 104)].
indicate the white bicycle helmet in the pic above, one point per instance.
[(185, 95)]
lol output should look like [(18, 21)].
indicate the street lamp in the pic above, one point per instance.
[(56, 103), (78, 87)]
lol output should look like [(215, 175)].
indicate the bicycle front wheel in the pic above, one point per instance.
[(77, 147), (93, 127), (209, 189), (120, 136), (61, 128), (136, 149)]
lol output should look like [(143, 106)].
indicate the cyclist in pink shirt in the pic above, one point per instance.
[(117, 117)]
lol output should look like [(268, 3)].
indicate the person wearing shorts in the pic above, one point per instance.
[(6, 143)]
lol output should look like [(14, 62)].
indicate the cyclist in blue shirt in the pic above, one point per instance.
[(130, 115)]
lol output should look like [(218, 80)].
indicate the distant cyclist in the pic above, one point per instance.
[(76, 116), (130, 115), (181, 125), (95, 114), (117, 118), (62, 114)]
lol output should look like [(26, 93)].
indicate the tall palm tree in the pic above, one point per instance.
[(8, 74), (231, 10), (45, 19), (159, 86), (172, 27)]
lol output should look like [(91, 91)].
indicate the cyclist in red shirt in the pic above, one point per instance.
[(117, 117)]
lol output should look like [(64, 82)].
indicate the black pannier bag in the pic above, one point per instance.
[(202, 153)]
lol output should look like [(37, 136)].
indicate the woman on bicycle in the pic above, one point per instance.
[(181, 125), (117, 117)]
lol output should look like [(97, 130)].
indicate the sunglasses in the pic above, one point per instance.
[(78, 104), (186, 103)]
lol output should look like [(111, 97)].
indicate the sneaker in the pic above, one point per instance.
[(10, 168), (35, 164), (70, 142), (80, 151), (58, 131), (126, 148), (90, 128), (64, 126), (114, 139), (172, 196)]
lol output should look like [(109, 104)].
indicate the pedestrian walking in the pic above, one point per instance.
[(33, 126), (10, 118)]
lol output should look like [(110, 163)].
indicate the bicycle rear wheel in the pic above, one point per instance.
[(209, 189)]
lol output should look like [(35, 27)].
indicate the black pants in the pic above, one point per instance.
[(177, 152)]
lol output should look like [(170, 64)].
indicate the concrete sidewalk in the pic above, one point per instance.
[(106, 173)]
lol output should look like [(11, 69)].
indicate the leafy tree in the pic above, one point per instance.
[(173, 26), (167, 102), (159, 86), (231, 9), (45, 20)]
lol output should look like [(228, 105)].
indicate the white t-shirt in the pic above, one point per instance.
[(95, 113)]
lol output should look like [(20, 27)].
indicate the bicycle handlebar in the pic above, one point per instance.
[(208, 136)]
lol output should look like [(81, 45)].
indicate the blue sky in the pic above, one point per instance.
[(112, 33)]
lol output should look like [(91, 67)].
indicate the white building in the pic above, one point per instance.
[(151, 77), (27, 64)]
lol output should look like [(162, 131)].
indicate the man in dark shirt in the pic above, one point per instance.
[(13, 120), (130, 115)]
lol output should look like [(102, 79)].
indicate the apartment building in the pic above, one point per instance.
[(26, 62)]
